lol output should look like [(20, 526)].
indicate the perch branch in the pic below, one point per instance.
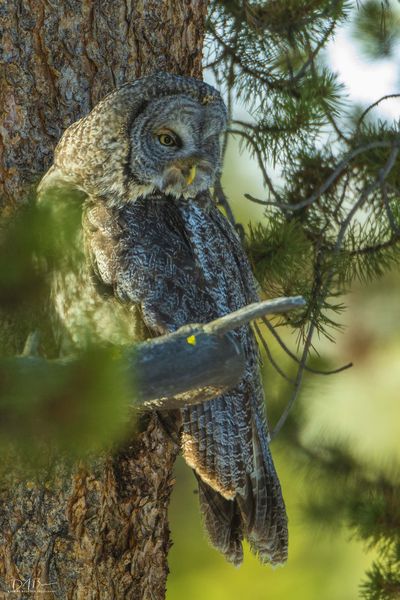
[(254, 311), (194, 364)]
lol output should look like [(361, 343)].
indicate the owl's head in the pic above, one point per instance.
[(157, 133), (175, 144)]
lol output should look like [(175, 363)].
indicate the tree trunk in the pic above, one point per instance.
[(98, 531)]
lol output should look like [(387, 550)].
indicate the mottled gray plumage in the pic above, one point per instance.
[(158, 245)]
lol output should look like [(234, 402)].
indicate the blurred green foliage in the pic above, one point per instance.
[(74, 407), (34, 241), (377, 28), (70, 407)]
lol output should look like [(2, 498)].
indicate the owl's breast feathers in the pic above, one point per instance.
[(184, 264)]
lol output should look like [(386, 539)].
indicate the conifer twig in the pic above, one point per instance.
[(297, 384), (222, 200), (269, 354), (342, 165), (267, 179), (296, 359), (383, 173), (373, 105)]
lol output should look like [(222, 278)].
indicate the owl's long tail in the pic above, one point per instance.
[(225, 442)]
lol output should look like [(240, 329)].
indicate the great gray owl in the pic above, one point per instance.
[(145, 157)]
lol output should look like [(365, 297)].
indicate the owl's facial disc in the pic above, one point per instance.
[(187, 167), (175, 145)]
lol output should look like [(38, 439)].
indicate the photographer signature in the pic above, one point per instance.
[(31, 585)]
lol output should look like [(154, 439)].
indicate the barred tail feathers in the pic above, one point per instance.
[(225, 442), (262, 508), (222, 521)]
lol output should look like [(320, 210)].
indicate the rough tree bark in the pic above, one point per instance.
[(98, 532)]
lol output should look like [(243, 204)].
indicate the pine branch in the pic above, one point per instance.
[(269, 82), (297, 384), (371, 106), (255, 148), (284, 347), (383, 173), (342, 166), (270, 357), (222, 200)]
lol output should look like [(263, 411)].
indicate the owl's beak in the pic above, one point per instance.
[(178, 177), (192, 175)]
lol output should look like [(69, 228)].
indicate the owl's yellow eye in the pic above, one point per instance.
[(166, 139)]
